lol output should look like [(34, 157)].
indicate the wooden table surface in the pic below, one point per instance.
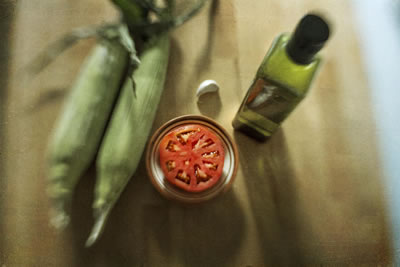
[(312, 195)]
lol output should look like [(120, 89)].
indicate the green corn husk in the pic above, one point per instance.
[(128, 131), (79, 129)]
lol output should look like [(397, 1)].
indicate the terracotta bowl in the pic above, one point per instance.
[(170, 191)]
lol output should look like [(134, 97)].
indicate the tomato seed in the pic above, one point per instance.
[(183, 137), (201, 175), (172, 146), (196, 144), (212, 154), (170, 165), (210, 165), (207, 143), (182, 176)]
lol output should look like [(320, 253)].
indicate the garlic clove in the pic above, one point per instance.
[(207, 86)]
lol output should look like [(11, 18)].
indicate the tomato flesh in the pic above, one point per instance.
[(192, 157)]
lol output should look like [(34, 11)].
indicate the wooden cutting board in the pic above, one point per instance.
[(312, 195)]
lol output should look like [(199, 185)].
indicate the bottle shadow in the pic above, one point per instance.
[(270, 182)]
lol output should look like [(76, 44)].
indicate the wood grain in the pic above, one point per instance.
[(312, 195)]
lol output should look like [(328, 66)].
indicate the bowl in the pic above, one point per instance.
[(171, 191)]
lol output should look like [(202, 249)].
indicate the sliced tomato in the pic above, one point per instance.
[(192, 157)]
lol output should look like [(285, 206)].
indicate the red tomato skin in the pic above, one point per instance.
[(181, 150)]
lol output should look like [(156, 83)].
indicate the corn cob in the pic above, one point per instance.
[(129, 129), (80, 127)]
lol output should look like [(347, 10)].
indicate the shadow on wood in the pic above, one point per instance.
[(6, 18), (271, 189)]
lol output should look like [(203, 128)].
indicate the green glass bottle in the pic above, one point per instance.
[(283, 78)]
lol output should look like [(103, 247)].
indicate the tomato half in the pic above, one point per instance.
[(192, 157)]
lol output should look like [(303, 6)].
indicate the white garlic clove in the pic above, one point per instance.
[(207, 86)]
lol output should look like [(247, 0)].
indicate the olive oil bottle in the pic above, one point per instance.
[(283, 78)]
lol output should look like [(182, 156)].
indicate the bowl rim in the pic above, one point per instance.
[(191, 119)]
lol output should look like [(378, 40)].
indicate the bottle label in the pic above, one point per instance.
[(270, 101)]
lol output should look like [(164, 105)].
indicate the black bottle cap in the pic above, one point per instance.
[(308, 38)]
